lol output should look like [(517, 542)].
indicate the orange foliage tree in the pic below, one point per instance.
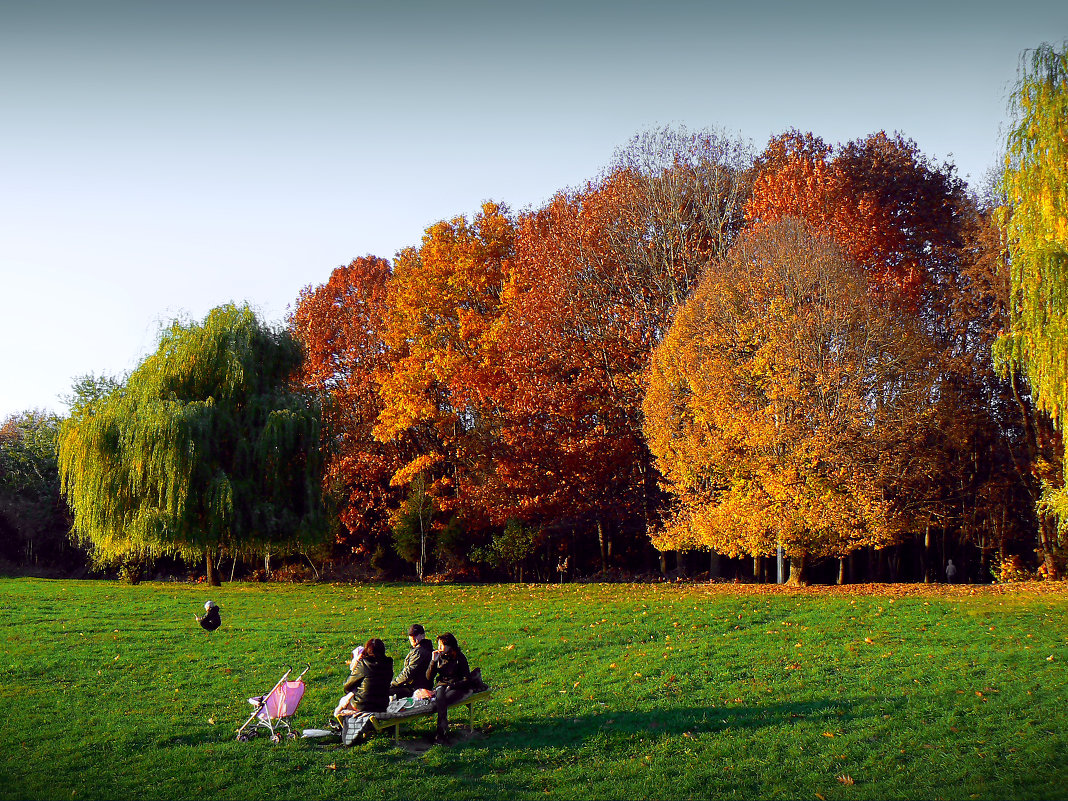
[(443, 301), (779, 399), (341, 325)]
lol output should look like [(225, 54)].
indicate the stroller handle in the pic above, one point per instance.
[(306, 669)]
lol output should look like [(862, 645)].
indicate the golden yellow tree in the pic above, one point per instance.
[(777, 398)]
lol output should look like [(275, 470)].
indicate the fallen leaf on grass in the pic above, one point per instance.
[(828, 734), (845, 778)]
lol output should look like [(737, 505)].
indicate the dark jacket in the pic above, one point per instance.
[(413, 674), (370, 683), (211, 619), (450, 670)]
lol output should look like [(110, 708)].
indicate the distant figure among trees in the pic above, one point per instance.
[(951, 572)]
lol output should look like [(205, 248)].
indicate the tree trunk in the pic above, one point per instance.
[(713, 565), (798, 571), (925, 556), (758, 569), (842, 571), (213, 573), (422, 547), (604, 545), (1046, 534)]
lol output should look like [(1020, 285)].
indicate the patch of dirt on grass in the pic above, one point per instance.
[(418, 746)]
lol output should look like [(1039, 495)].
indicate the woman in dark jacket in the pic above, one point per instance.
[(372, 672), (449, 674)]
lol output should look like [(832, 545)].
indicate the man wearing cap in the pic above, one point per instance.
[(413, 675)]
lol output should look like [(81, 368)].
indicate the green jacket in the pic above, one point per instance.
[(370, 683), (413, 674)]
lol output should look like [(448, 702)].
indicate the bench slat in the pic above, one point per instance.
[(394, 722)]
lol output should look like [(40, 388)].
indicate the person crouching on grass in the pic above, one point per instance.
[(210, 620), (371, 672), (449, 674)]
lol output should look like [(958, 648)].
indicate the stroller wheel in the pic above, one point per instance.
[(276, 738), (242, 738), (292, 735)]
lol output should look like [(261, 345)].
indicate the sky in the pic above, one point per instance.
[(160, 158)]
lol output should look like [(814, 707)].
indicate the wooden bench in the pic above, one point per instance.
[(395, 720)]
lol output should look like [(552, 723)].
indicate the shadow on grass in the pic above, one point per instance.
[(526, 748), (575, 731)]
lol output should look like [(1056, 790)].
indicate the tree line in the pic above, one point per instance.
[(700, 359)]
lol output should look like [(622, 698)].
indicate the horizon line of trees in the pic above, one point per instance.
[(701, 359)]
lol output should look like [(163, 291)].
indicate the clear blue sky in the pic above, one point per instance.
[(158, 159)]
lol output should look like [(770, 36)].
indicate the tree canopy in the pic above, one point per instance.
[(205, 446), (778, 398)]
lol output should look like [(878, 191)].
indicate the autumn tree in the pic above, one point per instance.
[(778, 399), (599, 272), (443, 300), (571, 361), (890, 208), (341, 325), (205, 446), (677, 201), (1035, 221)]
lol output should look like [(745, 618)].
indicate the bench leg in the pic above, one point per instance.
[(470, 717), (396, 733)]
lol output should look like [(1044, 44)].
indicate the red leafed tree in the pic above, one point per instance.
[(599, 273), (571, 349), (888, 206), (341, 326)]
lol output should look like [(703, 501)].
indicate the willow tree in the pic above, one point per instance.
[(205, 446), (1035, 223)]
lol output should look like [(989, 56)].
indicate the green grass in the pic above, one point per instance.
[(602, 691)]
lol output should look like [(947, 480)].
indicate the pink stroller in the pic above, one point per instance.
[(274, 709)]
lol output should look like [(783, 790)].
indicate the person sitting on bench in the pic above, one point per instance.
[(413, 674), (449, 673), (371, 672)]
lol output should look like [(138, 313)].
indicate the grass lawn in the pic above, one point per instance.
[(602, 691)]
